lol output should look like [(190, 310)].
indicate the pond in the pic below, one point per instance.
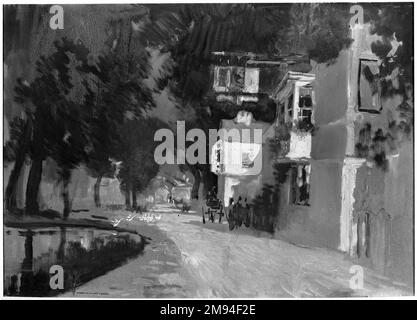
[(83, 254)]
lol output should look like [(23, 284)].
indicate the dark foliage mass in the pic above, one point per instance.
[(375, 144), (53, 120), (115, 95), (136, 151), (192, 32), (77, 112), (394, 22)]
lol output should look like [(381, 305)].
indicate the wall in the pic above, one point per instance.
[(330, 90), (398, 195), (388, 197), (384, 187), (317, 224)]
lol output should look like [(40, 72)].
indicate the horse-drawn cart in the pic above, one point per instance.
[(212, 207)]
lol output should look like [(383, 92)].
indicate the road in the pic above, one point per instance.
[(187, 258)]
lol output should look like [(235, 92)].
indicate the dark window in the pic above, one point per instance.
[(281, 113), (223, 77), (237, 79), (369, 88), (300, 184), (246, 161), (290, 107)]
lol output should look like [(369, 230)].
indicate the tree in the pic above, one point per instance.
[(136, 151), (15, 151), (394, 23), (319, 29), (116, 93), (54, 117)]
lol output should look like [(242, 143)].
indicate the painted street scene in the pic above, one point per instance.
[(208, 150)]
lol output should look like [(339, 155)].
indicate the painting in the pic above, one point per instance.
[(218, 150)]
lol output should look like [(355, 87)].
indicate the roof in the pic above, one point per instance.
[(291, 76), (232, 124), (250, 58)]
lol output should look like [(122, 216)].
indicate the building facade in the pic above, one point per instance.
[(342, 155)]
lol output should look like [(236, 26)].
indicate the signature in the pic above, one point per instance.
[(146, 217)]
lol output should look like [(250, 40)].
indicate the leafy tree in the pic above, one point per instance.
[(54, 116), (116, 94), (319, 29), (136, 151), (394, 23)]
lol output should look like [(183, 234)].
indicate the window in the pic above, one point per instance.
[(290, 108), (251, 80), (221, 79), (237, 79), (281, 113), (305, 104), (300, 184), (246, 160), (369, 88)]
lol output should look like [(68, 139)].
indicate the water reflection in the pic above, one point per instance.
[(84, 253)]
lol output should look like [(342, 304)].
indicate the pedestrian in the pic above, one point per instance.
[(230, 208), (239, 202)]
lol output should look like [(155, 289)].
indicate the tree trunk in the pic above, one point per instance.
[(127, 197), (196, 184), (65, 194), (134, 198), (97, 200), (32, 189), (17, 167), (12, 183), (206, 183)]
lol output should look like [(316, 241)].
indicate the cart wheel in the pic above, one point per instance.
[(211, 216), (204, 220), (231, 224), (247, 222)]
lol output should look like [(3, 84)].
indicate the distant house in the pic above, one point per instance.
[(176, 185), (161, 194), (182, 188), (182, 192)]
